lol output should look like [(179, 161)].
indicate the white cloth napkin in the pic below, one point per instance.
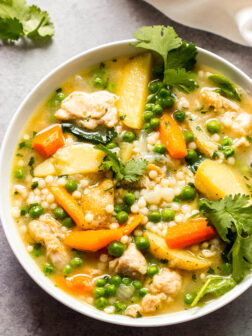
[(229, 18)]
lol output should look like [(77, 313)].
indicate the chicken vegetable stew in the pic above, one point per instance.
[(131, 183)]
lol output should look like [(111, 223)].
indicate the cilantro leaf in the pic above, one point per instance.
[(181, 79), (129, 172), (133, 169), (18, 19), (182, 57), (232, 218), (226, 88), (160, 39)]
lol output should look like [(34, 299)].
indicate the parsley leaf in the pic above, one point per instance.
[(232, 218), (178, 56), (18, 19), (182, 57), (129, 172), (160, 39), (180, 79), (226, 88), (133, 169)]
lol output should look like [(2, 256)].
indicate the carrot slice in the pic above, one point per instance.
[(94, 240), (189, 233), (69, 204), (48, 141), (76, 284), (172, 137)]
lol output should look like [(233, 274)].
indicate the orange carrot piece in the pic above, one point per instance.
[(189, 233), (69, 204), (133, 222), (76, 284), (48, 141), (92, 240), (172, 137)]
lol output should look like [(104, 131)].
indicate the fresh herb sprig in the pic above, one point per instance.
[(178, 56), (232, 218), (131, 171), (17, 19)]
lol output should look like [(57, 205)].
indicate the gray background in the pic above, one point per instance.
[(81, 24)]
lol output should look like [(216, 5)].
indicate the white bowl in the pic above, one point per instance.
[(38, 94)]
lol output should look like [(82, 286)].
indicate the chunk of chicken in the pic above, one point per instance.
[(89, 109), (241, 124), (97, 201), (132, 263), (168, 282), (133, 310), (151, 303), (47, 231), (212, 98)]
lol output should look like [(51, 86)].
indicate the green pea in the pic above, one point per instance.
[(191, 156), (149, 107), (76, 262), (128, 136), (147, 127), (59, 213), (118, 208), (71, 186), (107, 278), (142, 292), (67, 222), (148, 116), (19, 173), (163, 93), (99, 291), (36, 211), (179, 116), (159, 148), (116, 249), (111, 145), (116, 280), (155, 122), (142, 243), (213, 126), (100, 282), (48, 269), (122, 216), (189, 137), (126, 281), (226, 142), (137, 284), (60, 96), (68, 269), (119, 307), (157, 110), (228, 151), (187, 194), (154, 216), (166, 102), (98, 82), (152, 270), (188, 299), (168, 215), (101, 303), (129, 198), (110, 290), (154, 86)]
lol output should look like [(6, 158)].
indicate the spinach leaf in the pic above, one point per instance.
[(226, 88)]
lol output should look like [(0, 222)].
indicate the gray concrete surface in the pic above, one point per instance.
[(24, 308)]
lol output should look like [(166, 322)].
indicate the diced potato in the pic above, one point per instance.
[(126, 150), (177, 258), (74, 159), (204, 143), (216, 180), (133, 90)]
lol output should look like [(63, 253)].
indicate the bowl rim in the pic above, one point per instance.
[(68, 300)]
